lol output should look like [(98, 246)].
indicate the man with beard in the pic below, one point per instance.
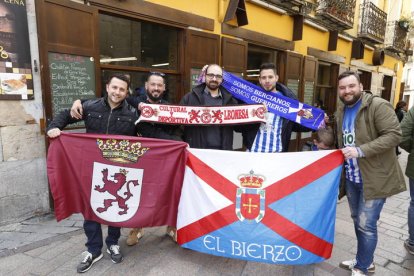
[(155, 89), (274, 135), (210, 93), (368, 131)]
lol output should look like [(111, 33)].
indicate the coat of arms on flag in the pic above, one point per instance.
[(115, 191), (250, 199), (274, 208)]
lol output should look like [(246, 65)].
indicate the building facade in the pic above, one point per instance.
[(76, 44)]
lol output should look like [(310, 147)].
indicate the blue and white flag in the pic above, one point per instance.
[(278, 104), (242, 207)]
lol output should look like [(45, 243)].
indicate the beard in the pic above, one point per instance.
[(212, 85), (270, 89), (154, 98), (352, 101)]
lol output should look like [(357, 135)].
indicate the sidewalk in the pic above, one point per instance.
[(41, 246)]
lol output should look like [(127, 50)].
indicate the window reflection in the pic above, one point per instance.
[(137, 43), (257, 55)]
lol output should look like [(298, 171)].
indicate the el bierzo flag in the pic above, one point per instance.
[(116, 180), (273, 208)]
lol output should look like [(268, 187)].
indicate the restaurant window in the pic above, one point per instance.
[(138, 47), (323, 86), (256, 55), (137, 43), (326, 96)]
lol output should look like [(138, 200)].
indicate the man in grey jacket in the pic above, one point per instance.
[(368, 131)]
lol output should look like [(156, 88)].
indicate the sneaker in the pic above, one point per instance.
[(115, 253), (357, 272), (351, 263), (87, 261), (409, 247), (172, 233), (134, 236)]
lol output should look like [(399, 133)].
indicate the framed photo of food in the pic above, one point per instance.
[(15, 62)]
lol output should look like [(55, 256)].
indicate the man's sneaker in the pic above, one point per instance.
[(87, 261), (172, 232), (351, 263), (357, 272), (409, 247), (115, 253), (134, 236)]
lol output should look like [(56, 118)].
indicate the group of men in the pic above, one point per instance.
[(367, 132)]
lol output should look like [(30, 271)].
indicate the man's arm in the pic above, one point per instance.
[(60, 122), (407, 128), (387, 128)]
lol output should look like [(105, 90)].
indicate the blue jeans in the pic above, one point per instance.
[(411, 213), (93, 232), (365, 214)]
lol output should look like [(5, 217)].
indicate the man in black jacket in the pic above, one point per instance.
[(210, 93), (154, 92), (155, 87), (108, 115)]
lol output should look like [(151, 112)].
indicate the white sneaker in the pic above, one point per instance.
[(351, 263), (357, 272)]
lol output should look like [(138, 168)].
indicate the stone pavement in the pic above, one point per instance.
[(41, 246)]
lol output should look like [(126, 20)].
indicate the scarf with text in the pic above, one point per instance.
[(202, 115), (276, 103)]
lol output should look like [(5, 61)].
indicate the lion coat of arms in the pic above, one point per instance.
[(115, 191)]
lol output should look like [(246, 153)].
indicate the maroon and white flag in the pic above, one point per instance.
[(202, 115), (116, 180)]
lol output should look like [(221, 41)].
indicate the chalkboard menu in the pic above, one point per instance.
[(71, 77)]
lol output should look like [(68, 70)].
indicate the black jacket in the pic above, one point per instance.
[(287, 125), (99, 118), (195, 136)]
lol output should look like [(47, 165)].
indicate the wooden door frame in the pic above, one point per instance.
[(45, 47)]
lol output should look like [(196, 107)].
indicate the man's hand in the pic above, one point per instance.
[(350, 152), (140, 106), (53, 133), (76, 111)]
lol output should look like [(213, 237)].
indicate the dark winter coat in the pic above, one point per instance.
[(195, 136), (99, 118)]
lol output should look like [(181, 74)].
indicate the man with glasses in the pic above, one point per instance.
[(210, 93)]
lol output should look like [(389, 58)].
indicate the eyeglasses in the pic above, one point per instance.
[(211, 76), (156, 73)]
